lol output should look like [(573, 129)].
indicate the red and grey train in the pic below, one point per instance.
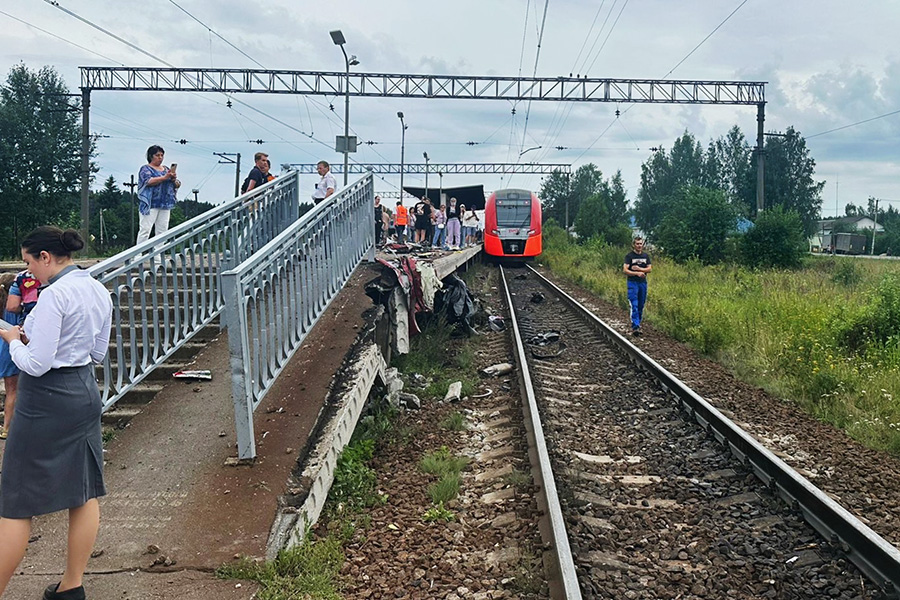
[(512, 225)]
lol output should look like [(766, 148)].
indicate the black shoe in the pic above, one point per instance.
[(636, 332), (73, 594)]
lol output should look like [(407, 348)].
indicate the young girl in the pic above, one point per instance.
[(8, 370)]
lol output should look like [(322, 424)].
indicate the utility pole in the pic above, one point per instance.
[(85, 164), (425, 154), (227, 160), (131, 185), (874, 227)]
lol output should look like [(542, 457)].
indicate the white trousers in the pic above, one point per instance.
[(158, 217)]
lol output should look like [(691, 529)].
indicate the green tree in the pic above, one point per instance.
[(560, 190), (697, 225), (40, 142), (604, 214), (790, 182), (776, 239), (663, 175)]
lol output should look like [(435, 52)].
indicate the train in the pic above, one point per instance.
[(512, 225)]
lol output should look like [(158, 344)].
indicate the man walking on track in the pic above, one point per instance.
[(637, 265)]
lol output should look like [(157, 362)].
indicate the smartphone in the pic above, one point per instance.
[(173, 167)]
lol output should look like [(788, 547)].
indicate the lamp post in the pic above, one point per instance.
[(441, 189), (338, 38), (425, 154), (402, 150), (195, 191)]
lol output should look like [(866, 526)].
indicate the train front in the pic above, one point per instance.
[(512, 225)]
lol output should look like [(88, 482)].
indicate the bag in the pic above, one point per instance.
[(441, 226)]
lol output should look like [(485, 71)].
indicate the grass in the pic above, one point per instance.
[(518, 479), (442, 461), (438, 513), (311, 570), (445, 489), (826, 336), (455, 422)]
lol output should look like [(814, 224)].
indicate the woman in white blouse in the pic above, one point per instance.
[(53, 458)]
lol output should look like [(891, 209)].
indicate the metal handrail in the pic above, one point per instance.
[(167, 289), (274, 297)]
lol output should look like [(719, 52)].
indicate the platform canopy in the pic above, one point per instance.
[(470, 195)]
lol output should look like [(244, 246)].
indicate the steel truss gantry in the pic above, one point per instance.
[(396, 85), (439, 168)]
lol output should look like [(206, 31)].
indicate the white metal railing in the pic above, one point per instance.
[(274, 297), (167, 289)]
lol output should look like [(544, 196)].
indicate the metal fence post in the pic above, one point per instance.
[(236, 323)]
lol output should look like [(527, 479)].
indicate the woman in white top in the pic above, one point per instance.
[(470, 223), (53, 458)]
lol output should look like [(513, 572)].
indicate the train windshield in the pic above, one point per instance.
[(513, 213)]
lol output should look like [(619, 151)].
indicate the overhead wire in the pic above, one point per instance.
[(678, 64), (853, 124), (50, 33)]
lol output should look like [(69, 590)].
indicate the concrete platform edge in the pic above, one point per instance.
[(291, 523)]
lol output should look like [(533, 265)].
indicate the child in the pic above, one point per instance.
[(8, 369), (23, 296)]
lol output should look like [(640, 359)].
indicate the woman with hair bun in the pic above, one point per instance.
[(53, 458)]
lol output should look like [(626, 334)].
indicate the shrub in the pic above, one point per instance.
[(880, 319), (775, 240), (846, 273), (697, 225)]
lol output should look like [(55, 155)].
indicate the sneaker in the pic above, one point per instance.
[(3, 433), (636, 332), (73, 594)]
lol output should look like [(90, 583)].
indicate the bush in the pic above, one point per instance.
[(880, 320), (697, 225), (775, 240)]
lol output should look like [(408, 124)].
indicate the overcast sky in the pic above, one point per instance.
[(828, 64)]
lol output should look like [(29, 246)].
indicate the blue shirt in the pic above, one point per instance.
[(160, 196)]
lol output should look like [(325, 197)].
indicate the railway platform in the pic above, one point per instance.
[(179, 505)]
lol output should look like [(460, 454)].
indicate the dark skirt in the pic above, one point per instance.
[(53, 458)]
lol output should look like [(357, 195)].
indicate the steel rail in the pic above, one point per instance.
[(871, 553), (562, 553)]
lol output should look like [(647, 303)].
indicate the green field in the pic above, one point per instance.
[(826, 336)]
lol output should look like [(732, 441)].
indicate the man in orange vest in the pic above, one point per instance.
[(401, 220)]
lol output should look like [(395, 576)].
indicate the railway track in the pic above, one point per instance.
[(649, 492)]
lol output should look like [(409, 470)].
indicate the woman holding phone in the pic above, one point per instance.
[(53, 458), (157, 185)]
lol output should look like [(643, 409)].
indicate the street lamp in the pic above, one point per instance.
[(402, 150), (338, 38), (425, 154), (441, 189), (195, 191)]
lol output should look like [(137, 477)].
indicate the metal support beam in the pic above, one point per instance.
[(445, 168), (330, 83)]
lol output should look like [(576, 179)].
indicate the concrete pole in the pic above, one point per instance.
[(760, 158), (346, 118), (237, 176), (85, 165)]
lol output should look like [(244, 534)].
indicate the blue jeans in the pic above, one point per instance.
[(637, 296), (438, 239)]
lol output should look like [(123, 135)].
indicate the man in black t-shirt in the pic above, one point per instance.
[(258, 174), (636, 267)]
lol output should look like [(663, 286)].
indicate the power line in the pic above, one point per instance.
[(215, 33), (704, 39), (61, 38), (56, 4), (854, 124)]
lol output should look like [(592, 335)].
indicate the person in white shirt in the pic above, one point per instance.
[(53, 458), (326, 184), (470, 224)]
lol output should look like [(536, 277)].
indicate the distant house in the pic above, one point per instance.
[(851, 238)]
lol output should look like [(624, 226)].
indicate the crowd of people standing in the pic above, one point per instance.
[(450, 227)]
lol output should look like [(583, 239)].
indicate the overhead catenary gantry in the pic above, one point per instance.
[(439, 168), (394, 85)]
